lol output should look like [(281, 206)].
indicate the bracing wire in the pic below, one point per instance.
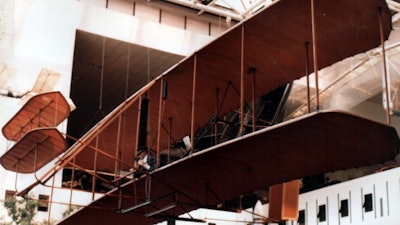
[(102, 74)]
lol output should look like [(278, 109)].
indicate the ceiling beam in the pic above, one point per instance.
[(206, 8)]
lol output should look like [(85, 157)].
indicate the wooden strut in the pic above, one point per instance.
[(241, 131), (138, 125), (307, 72), (16, 176), (169, 139), (71, 186), (56, 114), (216, 116), (384, 66), (117, 148), (315, 51), (35, 161), (160, 112), (253, 97), (51, 200), (193, 102)]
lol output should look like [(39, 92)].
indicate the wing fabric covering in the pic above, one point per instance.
[(37, 148), (42, 110)]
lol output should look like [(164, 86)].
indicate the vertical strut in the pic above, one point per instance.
[(138, 125), (216, 116), (308, 78), (242, 83), (384, 65), (253, 97), (193, 101), (117, 150), (72, 184), (51, 200), (169, 140), (160, 111), (314, 37)]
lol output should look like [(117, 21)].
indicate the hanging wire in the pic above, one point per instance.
[(102, 74), (127, 71)]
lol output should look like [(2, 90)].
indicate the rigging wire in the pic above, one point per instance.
[(102, 74)]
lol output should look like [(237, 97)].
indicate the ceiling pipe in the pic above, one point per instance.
[(209, 9)]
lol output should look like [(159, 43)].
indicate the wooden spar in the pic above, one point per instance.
[(384, 66), (193, 102), (307, 78), (314, 37), (241, 131)]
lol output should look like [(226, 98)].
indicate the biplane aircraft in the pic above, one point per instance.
[(218, 99)]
